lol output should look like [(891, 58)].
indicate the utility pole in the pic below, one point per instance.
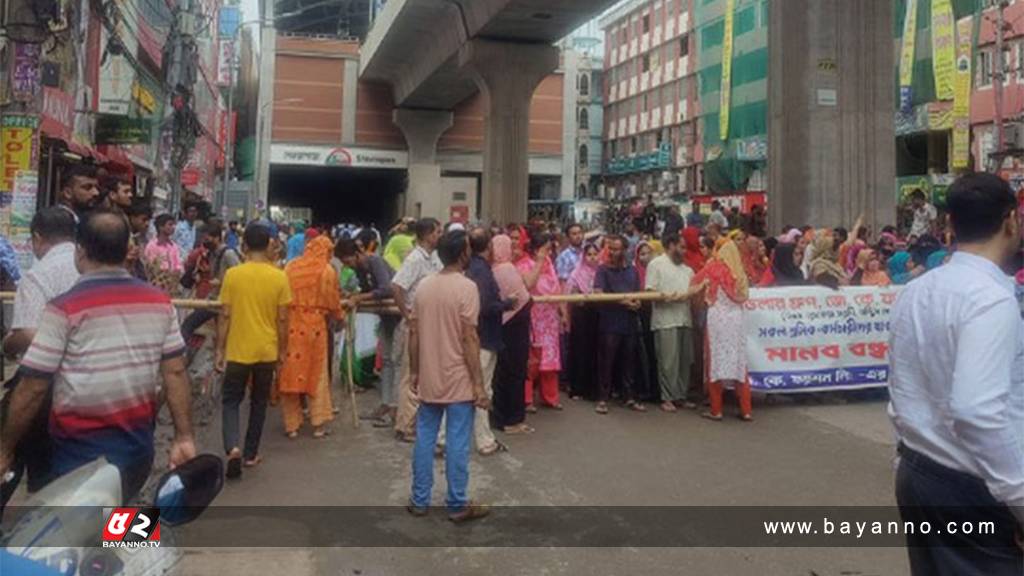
[(1000, 76), (229, 135), (181, 76)]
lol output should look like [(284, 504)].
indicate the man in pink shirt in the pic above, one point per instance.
[(162, 249), (444, 365)]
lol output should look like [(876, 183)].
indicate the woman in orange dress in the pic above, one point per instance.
[(316, 297)]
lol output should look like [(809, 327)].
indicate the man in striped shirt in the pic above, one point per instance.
[(103, 348)]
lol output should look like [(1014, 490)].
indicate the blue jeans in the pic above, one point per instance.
[(459, 432)]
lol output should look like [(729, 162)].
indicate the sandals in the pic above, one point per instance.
[(472, 511), (710, 416), (531, 409), (668, 407), (519, 429), (746, 417), (321, 433), (636, 406), (601, 408), (253, 462), (498, 447), (234, 469), (292, 435), (557, 407)]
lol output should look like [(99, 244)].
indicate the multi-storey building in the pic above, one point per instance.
[(651, 106), (736, 163)]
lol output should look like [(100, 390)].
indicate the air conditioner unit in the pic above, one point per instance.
[(1014, 135)]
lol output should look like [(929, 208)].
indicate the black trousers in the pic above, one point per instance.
[(929, 492), (510, 373), (617, 356), (584, 345), (194, 321), (236, 376)]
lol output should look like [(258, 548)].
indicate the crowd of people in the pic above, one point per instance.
[(468, 344)]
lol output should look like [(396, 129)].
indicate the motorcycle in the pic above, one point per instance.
[(75, 526)]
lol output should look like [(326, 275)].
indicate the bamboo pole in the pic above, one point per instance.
[(350, 341), (388, 306)]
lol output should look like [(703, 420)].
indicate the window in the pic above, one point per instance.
[(584, 156), (584, 85), (647, 103), (1020, 61), (583, 191), (647, 62), (632, 145), (984, 68), (684, 45), (647, 23), (584, 119), (1007, 65)]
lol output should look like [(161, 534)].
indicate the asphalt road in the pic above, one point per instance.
[(795, 454)]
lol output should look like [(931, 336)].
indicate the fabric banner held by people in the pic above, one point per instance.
[(805, 339)]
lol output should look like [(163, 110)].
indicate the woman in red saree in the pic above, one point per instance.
[(316, 297)]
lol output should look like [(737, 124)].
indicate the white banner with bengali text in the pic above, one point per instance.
[(812, 339)]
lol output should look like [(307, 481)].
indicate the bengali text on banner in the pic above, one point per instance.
[(805, 339)]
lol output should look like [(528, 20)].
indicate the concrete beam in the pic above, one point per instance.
[(422, 130), (832, 100), (507, 75)]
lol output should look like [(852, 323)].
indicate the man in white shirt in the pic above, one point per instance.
[(924, 214), (53, 243), (717, 218), (957, 388), (671, 322), (422, 262)]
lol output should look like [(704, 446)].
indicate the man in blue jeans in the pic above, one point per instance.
[(444, 366)]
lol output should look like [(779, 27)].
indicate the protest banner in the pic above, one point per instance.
[(811, 339)]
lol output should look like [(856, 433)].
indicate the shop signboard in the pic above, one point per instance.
[(25, 72), (117, 75), (344, 157), (58, 117), (23, 208), (112, 129), (17, 147)]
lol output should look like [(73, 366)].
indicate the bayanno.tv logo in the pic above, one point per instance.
[(132, 528)]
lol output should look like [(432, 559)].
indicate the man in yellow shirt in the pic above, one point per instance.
[(252, 335)]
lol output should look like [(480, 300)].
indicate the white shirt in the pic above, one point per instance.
[(52, 276), (957, 373), (718, 218), (923, 218), (664, 275), (417, 265)]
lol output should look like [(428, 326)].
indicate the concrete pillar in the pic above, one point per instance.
[(507, 75), (422, 129), (265, 118), (349, 102), (832, 102)]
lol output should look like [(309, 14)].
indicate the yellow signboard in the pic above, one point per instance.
[(962, 96), (726, 104), (17, 144), (943, 48), (144, 97), (907, 55)]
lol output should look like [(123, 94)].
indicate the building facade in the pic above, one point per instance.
[(337, 149), (651, 107), (98, 83)]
